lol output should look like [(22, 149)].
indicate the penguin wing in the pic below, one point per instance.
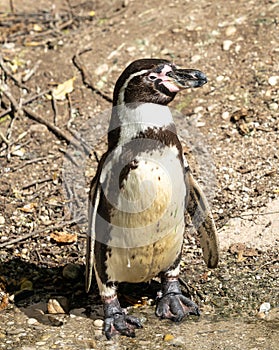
[(94, 199), (198, 208)]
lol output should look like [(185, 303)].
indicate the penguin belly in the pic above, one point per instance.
[(147, 222)]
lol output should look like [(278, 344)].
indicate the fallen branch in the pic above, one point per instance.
[(9, 74), (85, 75), (38, 232)]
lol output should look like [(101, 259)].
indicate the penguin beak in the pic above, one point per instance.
[(186, 78)]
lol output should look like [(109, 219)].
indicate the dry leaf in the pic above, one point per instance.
[(54, 307), (63, 237), (60, 92), (29, 208), (37, 28), (168, 337)]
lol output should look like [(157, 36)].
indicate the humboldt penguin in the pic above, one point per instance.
[(140, 193)]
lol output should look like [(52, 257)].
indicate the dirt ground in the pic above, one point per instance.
[(59, 61)]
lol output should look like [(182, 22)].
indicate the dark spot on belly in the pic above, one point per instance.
[(133, 257), (159, 178)]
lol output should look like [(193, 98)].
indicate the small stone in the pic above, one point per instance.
[(265, 307), (98, 323), (232, 98), (273, 315), (225, 115), (38, 128), (2, 220), (103, 68), (198, 109), (230, 31), (78, 312), (274, 80), (40, 343), (178, 342), (273, 106), (227, 45), (237, 48), (55, 307), (195, 58), (31, 321), (220, 78)]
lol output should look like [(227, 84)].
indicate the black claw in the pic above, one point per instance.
[(117, 322), (173, 304)]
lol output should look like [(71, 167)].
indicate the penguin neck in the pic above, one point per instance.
[(131, 121)]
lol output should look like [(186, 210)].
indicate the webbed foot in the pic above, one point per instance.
[(173, 304), (117, 321)]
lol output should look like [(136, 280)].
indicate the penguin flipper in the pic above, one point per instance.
[(94, 198), (198, 208)]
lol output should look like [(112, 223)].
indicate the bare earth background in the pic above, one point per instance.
[(59, 62)]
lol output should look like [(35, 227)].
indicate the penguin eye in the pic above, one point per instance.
[(152, 77)]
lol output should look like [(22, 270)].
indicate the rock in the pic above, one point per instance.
[(273, 80), (72, 272), (273, 106), (98, 323), (103, 68), (195, 58), (57, 306), (265, 307), (273, 315), (225, 115), (227, 45), (31, 321), (178, 342), (220, 78), (38, 128), (198, 109), (2, 220), (230, 31)]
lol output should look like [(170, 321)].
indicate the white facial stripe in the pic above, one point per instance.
[(122, 90), (162, 75)]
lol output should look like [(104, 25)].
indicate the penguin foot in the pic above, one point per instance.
[(117, 321), (173, 304)]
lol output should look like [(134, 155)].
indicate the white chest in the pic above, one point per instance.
[(147, 222)]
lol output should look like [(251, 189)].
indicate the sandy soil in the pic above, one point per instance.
[(230, 133)]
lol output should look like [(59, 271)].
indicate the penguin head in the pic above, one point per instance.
[(154, 81)]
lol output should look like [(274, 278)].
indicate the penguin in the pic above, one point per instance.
[(138, 198)]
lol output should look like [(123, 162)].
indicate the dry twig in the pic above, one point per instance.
[(85, 75), (36, 233)]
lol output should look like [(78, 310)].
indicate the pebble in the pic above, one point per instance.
[(230, 31), (195, 58), (31, 321), (198, 109), (2, 220), (232, 98), (274, 80), (38, 128), (273, 106), (55, 307), (227, 45), (265, 307), (220, 78), (103, 68), (40, 343), (178, 342), (273, 315), (98, 323), (225, 115)]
